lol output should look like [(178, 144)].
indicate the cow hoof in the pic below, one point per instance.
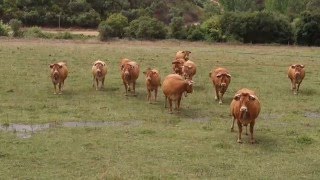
[(60, 93), (239, 141), (253, 141), (232, 130), (220, 102), (134, 95), (170, 112)]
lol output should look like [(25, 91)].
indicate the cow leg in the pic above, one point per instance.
[(294, 88), (246, 130), (126, 87), (60, 88), (298, 87), (102, 83), (134, 88), (178, 104), (149, 95), (155, 94), (220, 97), (232, 126), (170, 105), (55, 88), (165, 101), (97, 84), (240, 132), (252, 140), (216, 97)]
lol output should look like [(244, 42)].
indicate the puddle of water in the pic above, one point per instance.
[(25, 131)]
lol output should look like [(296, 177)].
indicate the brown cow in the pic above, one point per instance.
[(177, 66), (189, 69), (59, 73), (183, 55), (129, 73), (153, 80), (245, 108), (99, 71), (173, 87), (296, 74), (221, 79)]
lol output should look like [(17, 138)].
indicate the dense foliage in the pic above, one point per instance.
[(249, 21)]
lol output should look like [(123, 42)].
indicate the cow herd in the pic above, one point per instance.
[(245, 106)]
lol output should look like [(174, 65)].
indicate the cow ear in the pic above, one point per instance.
[(60, 66), (51, 66), (218, 75), (210, 74), (237, 97), (144, 72), (228, 75), (252, 97), (302, 66), (121, 67), (293, 66)]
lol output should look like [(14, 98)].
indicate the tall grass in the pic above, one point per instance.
[(195, 143)]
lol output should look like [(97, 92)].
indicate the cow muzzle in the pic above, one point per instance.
[(243, 109)]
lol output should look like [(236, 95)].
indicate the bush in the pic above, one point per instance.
[(257, 27), (35, 32), (212, 29), (117, 23), (146, 28), (15, 27), (104, 31), (177, 29), (87, 19), (308, 29), (195, 33), (4, 29)]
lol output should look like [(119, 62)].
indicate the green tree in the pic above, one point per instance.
[(117, 23)]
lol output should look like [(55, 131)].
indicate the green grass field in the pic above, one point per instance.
[(139, 140)]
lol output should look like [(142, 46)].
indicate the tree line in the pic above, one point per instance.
[(247, 21)]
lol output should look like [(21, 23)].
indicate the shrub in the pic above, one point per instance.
[(15, 27), (308, 29), (4, 29), (257, 27), (104, 31), (195, 33), (87, 19), (35, 32), (212, 29), (147, 28), (117, 23), (177, 29)]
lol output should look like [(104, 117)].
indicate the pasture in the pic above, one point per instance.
[(137, 140)]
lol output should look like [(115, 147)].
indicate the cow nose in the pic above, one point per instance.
[(243, 108), (223, 84)]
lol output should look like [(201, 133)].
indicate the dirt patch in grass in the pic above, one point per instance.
[(27, 130), (312, 115)]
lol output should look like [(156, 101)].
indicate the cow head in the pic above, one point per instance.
[(55, 70), (127, 70), (177, 66), (297, 70), (99, 66), (223, 79), (245, 99), (186, 55), (150, 74)]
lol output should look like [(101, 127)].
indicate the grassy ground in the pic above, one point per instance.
[(196, 143)]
